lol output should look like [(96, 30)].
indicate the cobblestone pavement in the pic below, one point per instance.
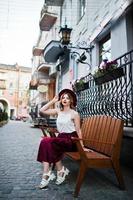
[(20, 173)]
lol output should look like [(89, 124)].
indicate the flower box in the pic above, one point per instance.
[(109, 76), (80, 85)]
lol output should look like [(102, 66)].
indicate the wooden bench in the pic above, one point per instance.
[(102, 134)]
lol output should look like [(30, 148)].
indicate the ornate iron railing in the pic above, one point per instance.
[(114, 98)]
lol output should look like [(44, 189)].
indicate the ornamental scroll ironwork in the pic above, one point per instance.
[(114, 98)]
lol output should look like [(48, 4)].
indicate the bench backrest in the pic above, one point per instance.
[(103, 134)]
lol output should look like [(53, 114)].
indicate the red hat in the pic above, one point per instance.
[(71, 93)]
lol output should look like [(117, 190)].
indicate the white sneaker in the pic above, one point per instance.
[(61, 175), (46, 178)]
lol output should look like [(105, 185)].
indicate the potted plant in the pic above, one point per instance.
[(107, 71), (3, 118), (78, 85)]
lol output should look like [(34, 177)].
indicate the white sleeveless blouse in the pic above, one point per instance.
[(65, 123)]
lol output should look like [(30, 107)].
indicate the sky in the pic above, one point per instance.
[(19, 30)]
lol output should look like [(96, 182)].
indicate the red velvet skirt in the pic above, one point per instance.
[(51, 150)]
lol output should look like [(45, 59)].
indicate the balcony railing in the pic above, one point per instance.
[(114, 98)]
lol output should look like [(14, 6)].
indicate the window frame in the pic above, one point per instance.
[(101, 43), (81, 9)]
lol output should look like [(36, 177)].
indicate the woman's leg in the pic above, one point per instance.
[(59, 165), (49, 150), (62, 172), (46, 167), (47, 175)]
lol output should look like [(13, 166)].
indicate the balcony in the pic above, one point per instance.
[(114, 98), (47, 21), (37, 51), (53, 51)]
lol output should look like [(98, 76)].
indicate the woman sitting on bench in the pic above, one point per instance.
[(51, 150)]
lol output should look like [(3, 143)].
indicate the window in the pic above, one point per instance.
[(2, 75), (11, 85), (10, 92), (11, 88), (1, 92), (81, 9), (105, 48), (2, 84)]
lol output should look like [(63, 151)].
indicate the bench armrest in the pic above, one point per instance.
[(80, 148), (97, 141)]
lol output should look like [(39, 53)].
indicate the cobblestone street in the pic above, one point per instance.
[(20, 173)]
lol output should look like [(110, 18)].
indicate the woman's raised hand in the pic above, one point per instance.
[(55, 99)]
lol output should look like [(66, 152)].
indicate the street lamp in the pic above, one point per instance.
[(66, 33), (65, 39)]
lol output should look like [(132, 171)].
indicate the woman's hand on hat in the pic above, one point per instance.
[(55, 99)]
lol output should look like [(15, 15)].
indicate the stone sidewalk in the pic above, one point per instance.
[(20, 173)]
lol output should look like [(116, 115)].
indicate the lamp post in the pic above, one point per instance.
[(66, 33), (65, 39)]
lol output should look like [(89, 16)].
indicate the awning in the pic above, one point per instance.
[(53, 51), (37, 51), (47, 21), (54, 3)]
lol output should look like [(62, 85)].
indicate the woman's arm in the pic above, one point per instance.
[(77, 126), (46, 108), (78, 130)]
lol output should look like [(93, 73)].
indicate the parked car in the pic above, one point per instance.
[(18, 118)]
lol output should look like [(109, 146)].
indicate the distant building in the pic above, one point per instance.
[(14, 89)]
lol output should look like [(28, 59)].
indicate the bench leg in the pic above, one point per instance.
[(117, 170), (80, 178)]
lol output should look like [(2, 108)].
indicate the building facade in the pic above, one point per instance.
[(14, 90), (100, 30), (98, 27)]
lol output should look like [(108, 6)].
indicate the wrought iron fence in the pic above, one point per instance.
[(114, 98)]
